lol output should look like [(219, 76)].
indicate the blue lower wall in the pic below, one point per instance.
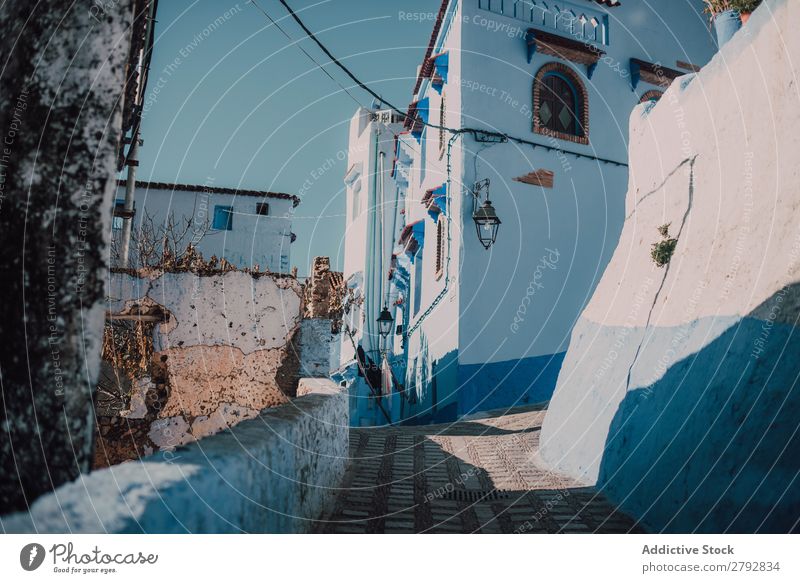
[(510, 383), (436, 399), (453, 390)]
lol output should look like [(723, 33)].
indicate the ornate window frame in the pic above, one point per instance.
[(582, 96)]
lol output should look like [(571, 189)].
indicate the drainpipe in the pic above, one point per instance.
[(381, 241), (130, 192), (132, 160)]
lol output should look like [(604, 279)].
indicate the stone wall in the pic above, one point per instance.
[(275, 473), (679, 393), (224, 353), (322, 296)]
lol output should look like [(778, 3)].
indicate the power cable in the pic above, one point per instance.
[(474, 131), (306, 53)]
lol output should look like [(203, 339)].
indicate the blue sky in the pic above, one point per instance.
[(234, 103)]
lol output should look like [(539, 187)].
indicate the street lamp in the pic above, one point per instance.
[(385, 322), (486, 221)]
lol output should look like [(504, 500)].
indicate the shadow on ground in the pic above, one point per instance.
[(477, 476)]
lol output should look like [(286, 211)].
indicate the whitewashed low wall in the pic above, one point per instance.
[(273, 474), (680, 393), (318, 348)]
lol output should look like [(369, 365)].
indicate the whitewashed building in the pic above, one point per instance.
[(533, 100), (245, 227)]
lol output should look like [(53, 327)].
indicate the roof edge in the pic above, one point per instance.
[(212, 190)]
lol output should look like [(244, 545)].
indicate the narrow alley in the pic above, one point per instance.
[(480, 475)]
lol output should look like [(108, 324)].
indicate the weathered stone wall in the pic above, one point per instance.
[(323, 292), (275, 474), (225, 354), (679, 393)]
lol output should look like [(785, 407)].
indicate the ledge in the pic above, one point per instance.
[(275, 473), (652, 73), (582, 53)]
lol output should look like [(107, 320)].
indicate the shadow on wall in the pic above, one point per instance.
[(714, 445), (432, 388)]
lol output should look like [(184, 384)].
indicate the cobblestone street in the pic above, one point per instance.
[(480, 475)]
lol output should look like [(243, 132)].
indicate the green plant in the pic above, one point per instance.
[(717, 6), (745, 6), (662, 251)]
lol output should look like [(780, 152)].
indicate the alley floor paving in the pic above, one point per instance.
[(481, 475)]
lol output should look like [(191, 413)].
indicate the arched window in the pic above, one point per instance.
[(652, 95), (560, 104)]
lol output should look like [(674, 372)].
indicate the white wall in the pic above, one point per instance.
[(253, 239), (432, 339), (366, 261), (678, 394), (581, 216)]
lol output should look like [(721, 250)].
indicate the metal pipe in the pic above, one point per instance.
[(132, 159), (130, 193)]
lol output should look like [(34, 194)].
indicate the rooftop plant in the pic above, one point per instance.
[(744, 6), (717, 6)]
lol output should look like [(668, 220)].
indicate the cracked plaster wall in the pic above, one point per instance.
[(224, 347)]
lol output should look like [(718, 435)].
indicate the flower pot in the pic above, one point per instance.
[(726, 23), (745, 16)]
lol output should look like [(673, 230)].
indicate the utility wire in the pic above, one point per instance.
[(474, 131), (312, 59), (335, 60)]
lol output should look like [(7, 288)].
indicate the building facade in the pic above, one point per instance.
[(245, 227), (525, 104)]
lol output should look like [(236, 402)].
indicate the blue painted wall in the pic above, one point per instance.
[(510, 383)]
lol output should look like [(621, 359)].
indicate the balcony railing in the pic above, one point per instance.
[(583, 24)]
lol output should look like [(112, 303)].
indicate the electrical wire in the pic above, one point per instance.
[(306, 53), (474, 131), (335, 60)]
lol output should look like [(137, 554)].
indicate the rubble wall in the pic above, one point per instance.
[(679, 393), (224, 354)]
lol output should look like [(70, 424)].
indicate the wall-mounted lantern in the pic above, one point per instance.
[(385, 322), (486, 220)]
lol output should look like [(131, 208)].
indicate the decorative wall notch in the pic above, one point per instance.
[(653, 73), (543, 178)]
